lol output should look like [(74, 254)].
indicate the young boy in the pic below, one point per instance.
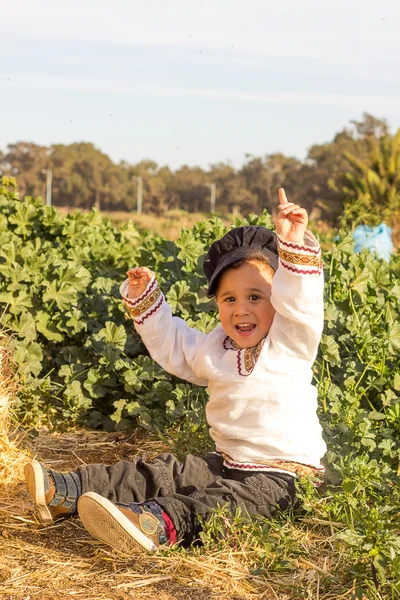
[(262, 406)]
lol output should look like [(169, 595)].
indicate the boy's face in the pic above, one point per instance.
[(243, 299)]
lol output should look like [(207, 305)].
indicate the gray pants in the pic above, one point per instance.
[(191, 488)]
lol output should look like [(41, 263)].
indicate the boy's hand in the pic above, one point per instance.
[(291, 221), (139, 278)]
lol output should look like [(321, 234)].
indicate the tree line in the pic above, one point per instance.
[(360, 165)]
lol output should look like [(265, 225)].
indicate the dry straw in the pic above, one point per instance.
[(12, 457)]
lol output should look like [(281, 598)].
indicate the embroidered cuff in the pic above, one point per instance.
[(301, 259), (146, 304), (280, 466)]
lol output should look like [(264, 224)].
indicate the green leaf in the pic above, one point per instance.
[(349, 486), (98, 384), (360, 284), (75, 320), (113, 334), (73, 392), (330, 350), (46, 328), (181, 298), (119, 407), (376, 416), (190, 248), (350, 537), (28, 356), (23, 218), (205, 323), (369, 443), (104, 285), (331, 315), (17, 299), (24, 326), (73, 276), (172, 265), (63, 294), (394, 336), (387, 446), (72, 371), (396, 383)]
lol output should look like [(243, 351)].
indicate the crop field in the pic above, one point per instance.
[(78, 386)]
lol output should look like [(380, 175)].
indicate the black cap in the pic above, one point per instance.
[(236, 245)]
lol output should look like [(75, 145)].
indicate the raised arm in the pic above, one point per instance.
[(297, 287), (170, 342)]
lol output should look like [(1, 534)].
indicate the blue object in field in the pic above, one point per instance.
[(377, 239)]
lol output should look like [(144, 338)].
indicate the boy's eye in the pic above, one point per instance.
[(229, 299), (254, 297)]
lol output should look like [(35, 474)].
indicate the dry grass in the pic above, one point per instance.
[(167, 225), (12, 456), (62, 560)]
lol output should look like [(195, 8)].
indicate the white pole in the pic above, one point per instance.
[(139, 201), (48, 186), (139, 195), (213, 195)]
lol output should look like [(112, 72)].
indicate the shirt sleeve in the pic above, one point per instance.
[(297, 297), (170, 342)]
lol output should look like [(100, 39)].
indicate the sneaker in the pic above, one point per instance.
[(55, 494), (123, 526)]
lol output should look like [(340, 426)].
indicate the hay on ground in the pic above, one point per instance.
[(12, 456)]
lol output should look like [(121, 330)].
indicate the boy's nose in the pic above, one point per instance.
[(242, 309)]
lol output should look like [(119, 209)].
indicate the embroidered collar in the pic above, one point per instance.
[(246, 357)]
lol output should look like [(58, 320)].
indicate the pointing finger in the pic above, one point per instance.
[(282, 196)]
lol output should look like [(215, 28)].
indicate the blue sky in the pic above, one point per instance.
[(184, 82)]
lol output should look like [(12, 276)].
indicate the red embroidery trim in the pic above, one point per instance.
[(296, 247), (151, 312), (239, 364), (239, 356), (313, 272), (224, 343), (246, 466), (143, 296), (239, 360)]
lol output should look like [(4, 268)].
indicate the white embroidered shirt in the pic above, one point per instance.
[(262, 407)]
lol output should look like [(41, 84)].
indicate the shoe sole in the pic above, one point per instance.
[(35, 482), (104, 521)]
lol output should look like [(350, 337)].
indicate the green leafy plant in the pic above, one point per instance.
[(79, 360)]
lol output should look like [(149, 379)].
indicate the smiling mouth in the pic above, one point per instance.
[(245, 327)]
